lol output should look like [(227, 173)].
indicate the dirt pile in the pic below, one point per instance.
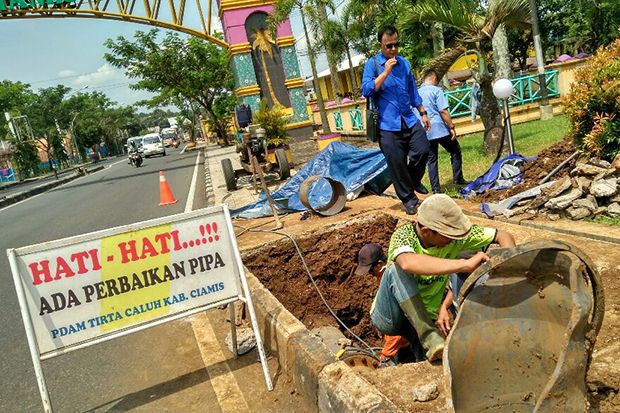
[(331, 257), (536, 170)]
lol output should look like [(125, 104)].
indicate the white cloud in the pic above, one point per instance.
[(103, 75), (66, 73)]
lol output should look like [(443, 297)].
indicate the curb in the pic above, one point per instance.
[(326, 385), (10, 200)]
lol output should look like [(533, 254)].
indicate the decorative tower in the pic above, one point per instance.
[(263, 67)]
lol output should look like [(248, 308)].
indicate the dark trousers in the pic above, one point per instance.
[(454, 149), (406, 153)]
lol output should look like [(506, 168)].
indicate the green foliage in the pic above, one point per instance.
[(577, 25), (593, 104), (220, 120), (25, 158), (274, 121), (177, 70)]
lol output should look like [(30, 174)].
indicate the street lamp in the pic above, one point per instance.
[(502, 89)]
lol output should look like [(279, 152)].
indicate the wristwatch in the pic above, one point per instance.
[(452, 127)]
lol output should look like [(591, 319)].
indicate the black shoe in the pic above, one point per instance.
[(462, 182), (412, 209), (420, 189)]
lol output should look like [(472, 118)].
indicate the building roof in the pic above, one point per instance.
[(344, 65)]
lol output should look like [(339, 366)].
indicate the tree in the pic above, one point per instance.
[(175, 69), (339, 38), (282, 9), (476, 30), (45, 112)]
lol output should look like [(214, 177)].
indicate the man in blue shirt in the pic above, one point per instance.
[(442, 131), (388, 81)]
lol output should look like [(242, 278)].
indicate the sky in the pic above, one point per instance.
[(69, 51)]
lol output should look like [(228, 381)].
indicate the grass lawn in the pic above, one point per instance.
[(530, 138)]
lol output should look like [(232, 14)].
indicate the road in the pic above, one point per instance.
[(159, 369)]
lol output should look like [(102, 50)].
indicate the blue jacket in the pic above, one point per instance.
[(397, 95)]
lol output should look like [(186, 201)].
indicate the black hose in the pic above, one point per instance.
[(501, 144)]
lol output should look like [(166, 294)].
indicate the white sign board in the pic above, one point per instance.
[(96, 285), (82, 290)]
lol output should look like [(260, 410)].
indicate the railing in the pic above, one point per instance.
[(338, 120), (527, 90), (357, 122)]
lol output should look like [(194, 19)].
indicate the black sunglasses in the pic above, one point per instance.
[(391, 46)]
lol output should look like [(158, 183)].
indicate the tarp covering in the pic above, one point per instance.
[(502, 174), (351, 166)]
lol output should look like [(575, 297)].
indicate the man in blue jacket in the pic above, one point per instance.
[(388, 81)]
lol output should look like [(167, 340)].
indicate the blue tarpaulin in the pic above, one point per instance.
[(351, 166), (502, 174)]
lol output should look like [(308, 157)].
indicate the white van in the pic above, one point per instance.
[(152, 144)]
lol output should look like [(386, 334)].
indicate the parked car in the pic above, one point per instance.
[(152, 144)]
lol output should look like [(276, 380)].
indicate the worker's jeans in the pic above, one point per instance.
[(387, 316)]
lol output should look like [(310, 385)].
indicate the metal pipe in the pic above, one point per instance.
[(557, 168), (508, 126)]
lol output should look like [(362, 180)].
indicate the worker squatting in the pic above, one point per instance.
[(126, 283)]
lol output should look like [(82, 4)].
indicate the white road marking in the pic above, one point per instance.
[(192, 186), (224, 384)]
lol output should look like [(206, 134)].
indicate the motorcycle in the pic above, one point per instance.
[(135, 159)]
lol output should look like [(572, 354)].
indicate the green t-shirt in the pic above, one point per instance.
[(405, 239)]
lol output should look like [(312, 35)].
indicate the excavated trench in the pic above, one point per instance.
[(331, 256)]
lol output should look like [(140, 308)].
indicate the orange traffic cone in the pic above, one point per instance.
[(165, 194)]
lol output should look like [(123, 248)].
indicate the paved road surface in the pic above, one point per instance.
[(164, 369)]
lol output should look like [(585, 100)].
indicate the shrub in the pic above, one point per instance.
[(593, 104), (274, 122)]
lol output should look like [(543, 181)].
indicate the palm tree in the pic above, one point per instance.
[(282, 9), (339, 38), (332, 57), (475, 36)]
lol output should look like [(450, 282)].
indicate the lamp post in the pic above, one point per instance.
[(503, 89)]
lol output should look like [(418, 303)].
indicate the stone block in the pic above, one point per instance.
[(601, 163), (604, 187), (613, 209), (587, 169), (558, 188), (342, 390), (577, 213), (615, 164), (588, 202), (565, 200), (246, 341), (330, 336), (307, 357), (425, 392), (583, 183)]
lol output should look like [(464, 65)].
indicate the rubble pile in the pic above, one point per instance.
[(592, 188)]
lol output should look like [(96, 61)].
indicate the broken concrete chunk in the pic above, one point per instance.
[(577, 213), (331, 337), (245, 341), (583, 183), (565, 200), (553, 217), (616, 163), (613, 209), (588, 202), (604, 187), (587, 169), (601, 163), (426, 392), (558, 188)]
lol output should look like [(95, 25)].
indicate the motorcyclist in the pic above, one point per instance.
[(133, 149)]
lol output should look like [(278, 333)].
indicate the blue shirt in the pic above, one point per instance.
[(397, 94), (434, 101)]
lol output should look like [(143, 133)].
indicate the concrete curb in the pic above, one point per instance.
[(327, 385), (10, 200)]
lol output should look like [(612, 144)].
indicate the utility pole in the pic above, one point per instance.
[(546, 110)]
